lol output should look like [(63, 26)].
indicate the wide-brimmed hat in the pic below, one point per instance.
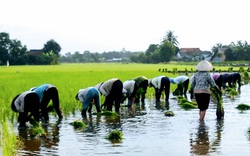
[(204, 65)]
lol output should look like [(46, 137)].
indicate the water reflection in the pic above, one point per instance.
[(53, 133), (200, 145), (216, 143), (203, 143), (31, 145), (28, 143), (93, 123)]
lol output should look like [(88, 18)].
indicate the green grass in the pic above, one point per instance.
[(68, 78)]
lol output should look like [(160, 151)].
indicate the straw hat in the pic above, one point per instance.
[(204, 65)]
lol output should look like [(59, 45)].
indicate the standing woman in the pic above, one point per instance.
[(201, 83), (112, 90), (47, 92), (23, 104), (86, 97), (160, 83)]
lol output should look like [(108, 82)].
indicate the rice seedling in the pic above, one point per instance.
[(114, 135), (243, 107), (9, 141), (185, 104), (78, 124), (169, 113), (38, 131), (248, 131), (231, 92), (218, 100), (109, 113)]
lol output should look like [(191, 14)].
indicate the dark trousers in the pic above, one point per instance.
[(31, 104), (219, 82), (115, 95), (165, 85), (235, 78), (50, 94), (183, 87)]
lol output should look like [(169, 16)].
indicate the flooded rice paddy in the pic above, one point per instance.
[(149, 132)]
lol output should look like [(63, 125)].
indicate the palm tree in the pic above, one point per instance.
[(215, 50), (170, 37)]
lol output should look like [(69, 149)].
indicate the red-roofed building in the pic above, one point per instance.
[(193, 54)]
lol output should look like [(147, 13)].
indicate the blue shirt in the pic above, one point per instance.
[(40, 90)]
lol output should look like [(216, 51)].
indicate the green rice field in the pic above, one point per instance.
[(68, 78)]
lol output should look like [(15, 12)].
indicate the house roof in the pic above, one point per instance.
[(193, 52), (35, 52), (190, 50)]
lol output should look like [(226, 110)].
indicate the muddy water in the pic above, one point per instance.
[(149, 132)]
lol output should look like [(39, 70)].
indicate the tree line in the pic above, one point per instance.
[(13, 52)]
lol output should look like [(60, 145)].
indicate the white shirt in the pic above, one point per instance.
[(156, 82), (129, 86), (180, 79), (106, 87), (19, 102)]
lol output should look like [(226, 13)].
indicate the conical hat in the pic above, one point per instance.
[(204, 65)]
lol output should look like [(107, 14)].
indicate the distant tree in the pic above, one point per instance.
[(230, 55), (215, 50), (166, 51), (53, 46), (12, 50), (5, 42), (18, 53), (51, 49), (151, 49)]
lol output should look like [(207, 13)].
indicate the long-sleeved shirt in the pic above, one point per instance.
[(129, 86), (106, 87), (179, 79), (216, 76), (19, 102), (226, 77), (156, 82), (40, 90), (83, 93), (202, 81)]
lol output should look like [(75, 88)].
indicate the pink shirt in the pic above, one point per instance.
[(216, 76)]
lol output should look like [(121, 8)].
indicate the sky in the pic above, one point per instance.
[(111, 25)]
